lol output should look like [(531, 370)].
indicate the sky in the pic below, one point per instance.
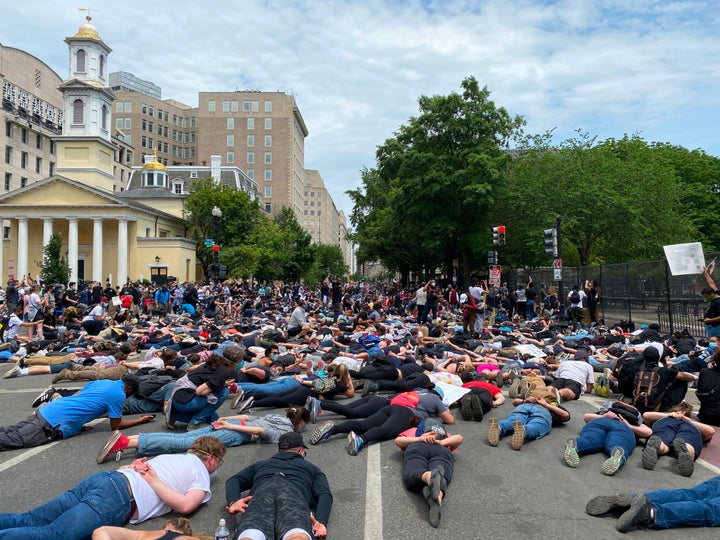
[(357, 67)]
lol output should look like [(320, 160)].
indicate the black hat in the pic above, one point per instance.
[(131, 380), (651, 354), (291, 440)]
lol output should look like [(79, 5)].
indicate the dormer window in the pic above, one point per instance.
[(193, 174), (177, 188), (80, 57)]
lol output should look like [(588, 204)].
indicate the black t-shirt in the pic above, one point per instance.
[(708, 392), (214, 378), (713, 311), (530, 294)]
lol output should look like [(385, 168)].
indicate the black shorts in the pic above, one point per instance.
[(575, 386)]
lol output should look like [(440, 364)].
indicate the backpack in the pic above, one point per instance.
[(406, 399), (323, 384), (625, 370), (574, 297), (647, 393), (601, 387)]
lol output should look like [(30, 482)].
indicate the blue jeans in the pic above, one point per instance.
[(711, 330), (535, 418), (198, 410), (101, 499), (150, 404), (153, 444), (698, 506), (274, 388), (530, 310), (604, 434), (429, 306)]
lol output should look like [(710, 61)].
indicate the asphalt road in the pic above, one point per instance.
[(497, 493)]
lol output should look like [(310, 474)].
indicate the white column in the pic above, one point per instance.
[(47, 231), (122, 254), (3, 264), (22, 250), (97, 271), (73, 248)]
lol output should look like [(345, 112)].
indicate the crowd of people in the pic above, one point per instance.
[(392, 362)]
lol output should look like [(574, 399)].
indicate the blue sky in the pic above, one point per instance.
[(357, 67)]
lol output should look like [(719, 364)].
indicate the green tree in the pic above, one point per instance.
[(239, 216), (296, 249), (429, 198), (328, 262), (54, 267)]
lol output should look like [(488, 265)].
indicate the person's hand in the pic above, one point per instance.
[(319, 530), (428, 437), (147, 418), (239, 506), (140, 465), (220, 424)]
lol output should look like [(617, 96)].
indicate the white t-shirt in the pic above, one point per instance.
[(477, 293), (182, 472), (97, 311), (420, 296), (576, 370), (582, 295)]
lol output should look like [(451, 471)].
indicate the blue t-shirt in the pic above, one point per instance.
[(71, 413)]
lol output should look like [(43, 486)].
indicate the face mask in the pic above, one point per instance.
[(274, 356), (713, 345), (105, 305)]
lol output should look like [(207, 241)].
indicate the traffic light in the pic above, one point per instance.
[(216, 248), (498, 235), (551, 245)]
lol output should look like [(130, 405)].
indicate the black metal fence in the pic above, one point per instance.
[(643, 292)]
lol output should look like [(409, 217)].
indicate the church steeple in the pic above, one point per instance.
[(85, 149)]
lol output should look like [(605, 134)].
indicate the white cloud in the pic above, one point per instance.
[(357, 68)]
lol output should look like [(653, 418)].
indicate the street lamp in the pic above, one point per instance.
[(216, 214)]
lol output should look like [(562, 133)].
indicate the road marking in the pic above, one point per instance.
[(373, 495), (709, 466)]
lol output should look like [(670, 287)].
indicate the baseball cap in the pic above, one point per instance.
[(291, 440)]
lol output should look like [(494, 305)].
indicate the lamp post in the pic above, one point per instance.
[(216, 214)]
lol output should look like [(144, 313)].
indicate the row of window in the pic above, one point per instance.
[(24, 137), (250, 123), (230, 139), (81, 60), (79, 114), (24, 160), (312, 212), (251, 172), (23, 179), (250, 157), (232, 106), (312, 203)]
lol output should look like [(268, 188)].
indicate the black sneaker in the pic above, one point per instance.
[(466, 408), (245, 404), (235, 403), (44, 397), (608, 504), (650, 453), (370, 388), (639, 515), (476, 406)]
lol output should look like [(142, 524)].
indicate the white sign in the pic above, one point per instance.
[(685, 259)]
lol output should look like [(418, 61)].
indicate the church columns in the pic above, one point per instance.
[(73, 248), (47, 230), (122, 252), (97, 271), (22, 262)]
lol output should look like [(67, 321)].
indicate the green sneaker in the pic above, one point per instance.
[(613, 464), (571, 455)]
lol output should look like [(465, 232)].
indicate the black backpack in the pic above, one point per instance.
[(574, 297), (647, 391), (625, 370)]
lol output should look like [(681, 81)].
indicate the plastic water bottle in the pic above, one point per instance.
[(222, 532)]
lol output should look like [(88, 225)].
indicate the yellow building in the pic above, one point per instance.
[(106, 237)]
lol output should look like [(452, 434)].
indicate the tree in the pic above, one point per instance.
[(54, 267), (296, 250), (430, 195), (328, 262)]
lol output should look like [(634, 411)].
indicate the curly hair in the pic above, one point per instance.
[(208, 446), (181, 525)]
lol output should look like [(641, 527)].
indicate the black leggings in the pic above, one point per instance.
[(361, 408), (296, 396), (420, 457), (384, 425), (406, 384)]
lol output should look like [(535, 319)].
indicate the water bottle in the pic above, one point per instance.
[(222, 532)]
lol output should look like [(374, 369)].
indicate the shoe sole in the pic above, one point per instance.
[(466, 409), (514, 391), (685, 463), (518, 436), (476, 407), (493, 433), (103, 455), (612, 465), (352, 444), (436, 481), (246, 405), (571, 456), (40, 399), (607, 504), (434, 508), (628, 521), (321, 433), (237, 399), (650, 453)]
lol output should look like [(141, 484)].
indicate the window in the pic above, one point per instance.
[(38, 165), (52, 146), (104, 117), (268, 191), (23, 181), (143, 141), (251, 140), (8, 181), (231, 140), (144, 124), (102, 65), (144, 109), (234, 106), (119, 106), (268, 123), (118, 123), (319, 203), (305, 212), (178, 188), (251, 123), (128, 123), (231, 123), (268, 106), (246, 106), (51, 170), (193, 174), (23, 136), (160, 130), (151, 111), (251, 157), (226, 106), (268, 174), (312, 203), (230, 158), (251, 174), (80, 61), (151, 127), (78, 111), (165, 131), (211, 105), (128, 106), (23, 160), (6, 233), (8, 130), (255, 106), (268, 157), (312, 212), (268, 207), (268, 140)]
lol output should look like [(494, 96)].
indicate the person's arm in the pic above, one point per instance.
[(452, 441), (224, 424), (708, 279), (234, 487), (447, 417), (183, 503), (116, 533), (119, 423), (404, 442), (498, 400), (561, 413)]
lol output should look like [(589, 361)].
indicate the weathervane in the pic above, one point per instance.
[(88, 18)]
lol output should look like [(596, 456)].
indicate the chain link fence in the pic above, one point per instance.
[(643, 292)]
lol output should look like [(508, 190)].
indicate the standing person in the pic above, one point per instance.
[(290, 498), (576, 310), (520, 302), (593, 299), (708, 392), (420, 299), (453, 298), (711, 318), (530, 296), (478, 290), (35, 313), (431, 302), (141, 491), (162, 300), (12, 297)]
